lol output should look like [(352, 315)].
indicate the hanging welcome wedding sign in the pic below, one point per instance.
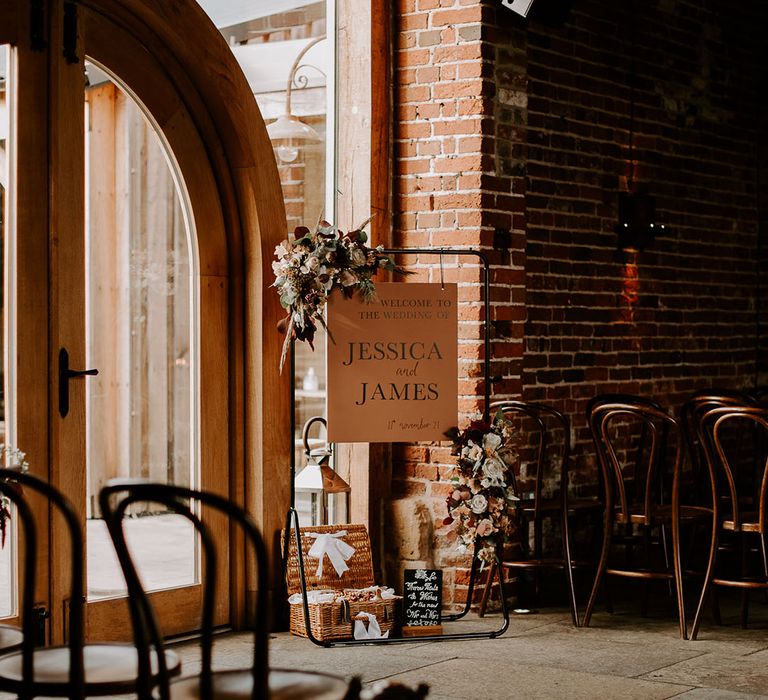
[(392, 370)]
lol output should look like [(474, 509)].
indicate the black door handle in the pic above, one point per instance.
[(65, 374)]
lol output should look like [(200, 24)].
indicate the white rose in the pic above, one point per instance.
[(283, 249), (472, 452), (485, 528), (479, 504), (494, 469), (491, 442)]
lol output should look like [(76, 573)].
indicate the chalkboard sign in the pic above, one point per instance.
[(423, 595)]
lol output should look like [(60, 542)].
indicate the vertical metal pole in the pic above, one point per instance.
[(487, 334), (293, 423)]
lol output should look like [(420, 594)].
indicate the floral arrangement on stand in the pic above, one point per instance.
[(13, 458), (311, 264), (484, 493)]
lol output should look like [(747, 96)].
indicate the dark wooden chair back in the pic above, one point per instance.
[(739, 506), (632, 438), (718, 427), (115, 499), (691, 414), (544, 454), (541, 487)]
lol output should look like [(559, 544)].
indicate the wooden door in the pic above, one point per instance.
[(109, 276)]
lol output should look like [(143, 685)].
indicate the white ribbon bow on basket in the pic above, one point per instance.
[(373, 631), (336, 549)]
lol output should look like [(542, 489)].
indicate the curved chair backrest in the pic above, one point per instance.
[(716, 425), (115, 499), (12, 485), (648, 471), (632, 400), (542, 418), (694, 409)]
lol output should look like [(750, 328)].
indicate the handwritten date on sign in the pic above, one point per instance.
[(423, 593)]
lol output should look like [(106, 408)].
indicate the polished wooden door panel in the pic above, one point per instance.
[(53, 203)]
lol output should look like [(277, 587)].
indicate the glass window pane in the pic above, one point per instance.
[(285, 48), (7, 554), (140, 319)]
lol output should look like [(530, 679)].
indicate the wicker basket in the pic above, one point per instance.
[(334, 621)]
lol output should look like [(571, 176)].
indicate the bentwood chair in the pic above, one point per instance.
[(257, 681), (691, 414), (736, 513), (78, 669), (542, 490), (641, 491)]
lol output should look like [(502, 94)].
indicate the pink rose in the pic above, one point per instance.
[(484, 528)]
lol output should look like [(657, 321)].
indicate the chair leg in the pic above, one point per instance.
[(487, 589), (744, 608), (764, 552), (608, 595), (646, 583), (678, 572), (716, 616), (665, 549), (707, 585), (744, 616), (568, 566), (601, 567)]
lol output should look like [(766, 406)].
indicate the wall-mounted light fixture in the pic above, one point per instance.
[(637, 225), (288, 132)]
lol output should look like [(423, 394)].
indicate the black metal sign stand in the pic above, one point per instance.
[(292, 517)]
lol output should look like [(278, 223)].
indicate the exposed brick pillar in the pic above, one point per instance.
[(459, 182)]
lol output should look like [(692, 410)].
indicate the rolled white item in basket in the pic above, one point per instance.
[(338, 551), (315, 597), (383, 591), (373, 631)]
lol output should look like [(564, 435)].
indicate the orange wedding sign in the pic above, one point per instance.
[(392, 370)]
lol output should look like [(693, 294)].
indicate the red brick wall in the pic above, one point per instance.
[(522, 129), (458, 180), (680, 315)]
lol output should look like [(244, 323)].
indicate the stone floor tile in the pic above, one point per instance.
[(463, 679), (742, 674), (719, 694)]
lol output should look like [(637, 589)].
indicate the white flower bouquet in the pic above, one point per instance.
[(483, 494)]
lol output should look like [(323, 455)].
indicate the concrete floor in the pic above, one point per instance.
[(540, 656), (543, 656)]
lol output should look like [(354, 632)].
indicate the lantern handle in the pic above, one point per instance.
[(305, 431)]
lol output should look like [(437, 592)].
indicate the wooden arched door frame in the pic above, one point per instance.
[(239, 216)]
